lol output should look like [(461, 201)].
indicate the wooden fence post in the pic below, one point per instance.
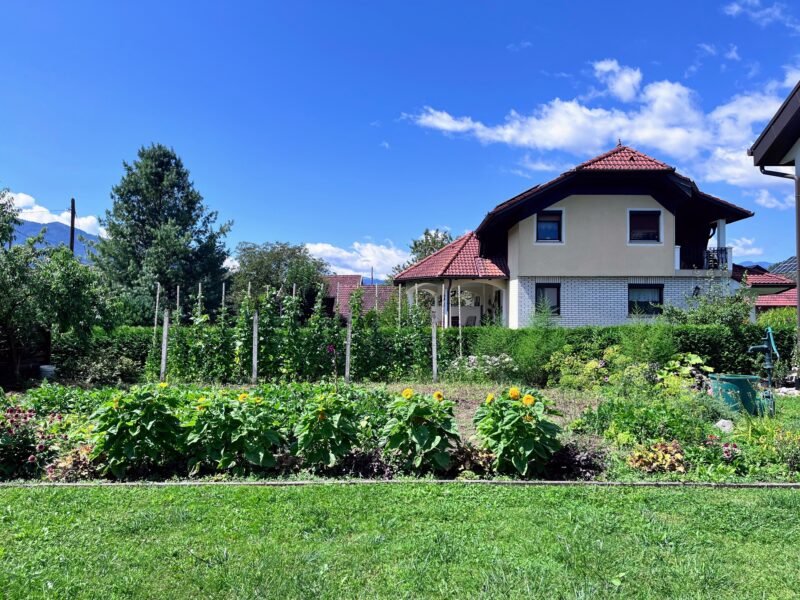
[(164, 338), (155, 314), (347, 347), (434, 351), (254, 374), (399, 305)]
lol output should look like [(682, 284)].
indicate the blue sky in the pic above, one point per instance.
[(352, 126)]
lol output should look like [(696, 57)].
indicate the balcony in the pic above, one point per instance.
[(703, 259)]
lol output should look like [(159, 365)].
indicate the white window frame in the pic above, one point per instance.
[(660, 212), (563, 241)]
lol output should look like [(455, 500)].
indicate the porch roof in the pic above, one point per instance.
[(459, 259)]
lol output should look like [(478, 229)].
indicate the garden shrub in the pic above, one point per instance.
[(421, 431), (481, 369), (105, 357), (26, 445), (514, 428), (661, 457), (327, 430), (139, 432), (232, 434)]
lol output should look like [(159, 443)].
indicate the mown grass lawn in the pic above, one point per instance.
[(398, 541)]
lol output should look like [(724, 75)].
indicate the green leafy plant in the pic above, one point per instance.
[(233, 434), (139, 430), (421, 431), (25, 444), (515, 429), (661, 457), (327, 430)]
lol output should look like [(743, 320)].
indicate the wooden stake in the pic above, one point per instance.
[(443, 323), (248, 289), (164, 338), (254, 374), (223, 295), (347, 347), (178, 304), (399, 304), (434, 351), (155, 315), (72, 225), (200, 298)]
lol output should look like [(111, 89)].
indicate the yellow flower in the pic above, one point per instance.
[(257, 399), (407, 393), (438, 396), (528, 400), (116, 404), (201, 399), (163, 384), (513, 393), (489, 398), (242, 397), (527, 418)]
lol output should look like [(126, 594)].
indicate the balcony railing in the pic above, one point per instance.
[(718, 258), (703, 259)]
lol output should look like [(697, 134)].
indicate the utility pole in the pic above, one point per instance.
[(72, 225)]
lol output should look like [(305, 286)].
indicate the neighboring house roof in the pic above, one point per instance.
[(600, 175), (787, 267), (459, 259), (339, 288), (780, 134), (787, 298), (738, 271), (769, 279)]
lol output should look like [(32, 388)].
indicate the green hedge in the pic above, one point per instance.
[(215, 354)]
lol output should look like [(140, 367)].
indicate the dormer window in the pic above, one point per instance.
[(644, 226), (550, 226)]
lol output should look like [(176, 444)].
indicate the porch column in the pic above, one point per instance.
[(446, 300), (721, 239)]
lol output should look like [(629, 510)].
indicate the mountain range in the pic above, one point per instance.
[(55, 234)]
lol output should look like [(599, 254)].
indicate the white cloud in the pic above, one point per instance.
[(743, 247), (733, 53), (762, 14), (30, 210), (709, 49), (231, 264), (622, 82), (384, 144), (519, 46), (360, 257), (664, 116), (767, 200)]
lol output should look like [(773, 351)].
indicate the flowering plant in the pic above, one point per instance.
[(25, 446), (515, 429), (421, 431)]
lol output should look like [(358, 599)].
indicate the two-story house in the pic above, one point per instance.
[(612, 238)]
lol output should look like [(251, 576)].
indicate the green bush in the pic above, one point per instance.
[(421, 431), (514, 428), (778, 318), (105, 357), (327, 430), (232, 434), (139, 431)]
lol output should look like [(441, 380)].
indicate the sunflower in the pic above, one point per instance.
[(513, 393), (489, 398), (242, 397), (163, 384), (527, 418), (528, 400), (438, 396), (407, 393)]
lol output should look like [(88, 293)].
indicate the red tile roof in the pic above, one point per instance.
[(623, 158), (341, 287), (756, 279), (460, 259), (787, 298)]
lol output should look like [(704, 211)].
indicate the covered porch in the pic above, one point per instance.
[(465, 302), (461, 287)]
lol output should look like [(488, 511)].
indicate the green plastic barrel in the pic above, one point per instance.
[(738, 391)]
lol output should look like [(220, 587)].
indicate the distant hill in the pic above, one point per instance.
[(55, 234), (750, 263)]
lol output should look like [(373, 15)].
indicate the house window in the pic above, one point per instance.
[(548, 296), (645, 299), (549, 226), (644, 226)]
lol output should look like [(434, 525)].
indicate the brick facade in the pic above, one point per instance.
[(598, 300)]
